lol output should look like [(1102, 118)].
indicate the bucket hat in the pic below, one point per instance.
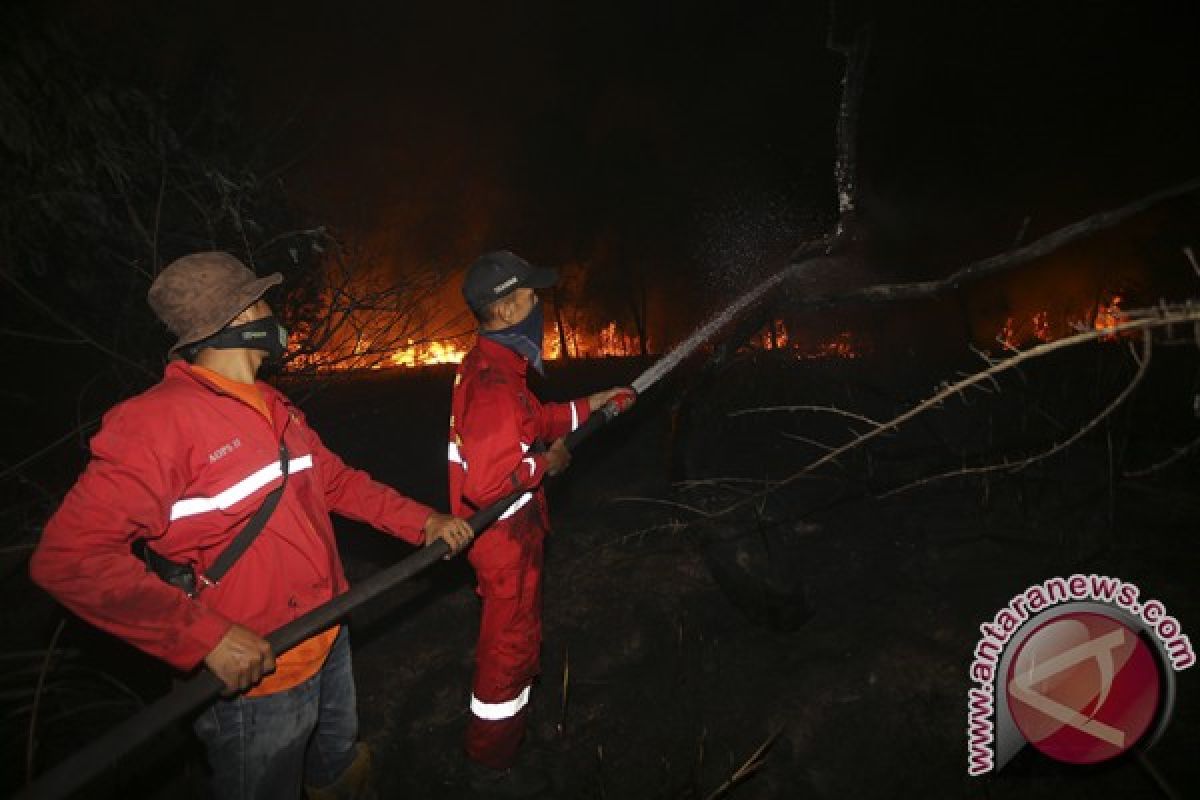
[(199, 294)]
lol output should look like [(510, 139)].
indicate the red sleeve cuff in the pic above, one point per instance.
[(203, 632)]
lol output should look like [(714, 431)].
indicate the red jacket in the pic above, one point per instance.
[(185, 465), (494, 420)]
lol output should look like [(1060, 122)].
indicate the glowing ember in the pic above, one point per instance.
[(1041, 326), (1008, 334), (840, 346), (1109, 316)]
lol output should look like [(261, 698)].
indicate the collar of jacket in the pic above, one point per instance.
[(178, 370), (500, 356)]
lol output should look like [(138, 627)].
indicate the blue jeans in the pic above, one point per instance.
[(269, 747)]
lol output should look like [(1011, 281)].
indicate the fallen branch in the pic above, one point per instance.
[(1017, 466), (1136, 320), (822, 409), (1179, 453), (661, 502)]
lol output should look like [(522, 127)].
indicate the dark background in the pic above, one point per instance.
[(691, 135)]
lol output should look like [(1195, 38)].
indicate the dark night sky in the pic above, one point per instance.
[(693, 135)]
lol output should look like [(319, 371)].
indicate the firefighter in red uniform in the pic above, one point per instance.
[(502, 439), (177, 473)]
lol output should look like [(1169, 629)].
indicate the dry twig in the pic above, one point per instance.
[(1179, 453), (31, 739), (749, 767), (821, 409)]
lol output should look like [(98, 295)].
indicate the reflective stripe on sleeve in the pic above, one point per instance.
[(495, 711), (517, 505), (239, 491), (574, 416)]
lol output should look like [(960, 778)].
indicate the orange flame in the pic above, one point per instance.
[(777, 337), (1105, 316), (424, 354), (609, 340), (1109, 316)]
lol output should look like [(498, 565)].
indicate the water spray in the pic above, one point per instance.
[(709, 329)]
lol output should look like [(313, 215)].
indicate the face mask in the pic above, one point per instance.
[(524, 338), (261, 334)]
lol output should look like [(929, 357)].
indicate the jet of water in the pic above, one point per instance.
[(709, 329)]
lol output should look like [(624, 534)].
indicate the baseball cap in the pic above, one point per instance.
[(495, 274)]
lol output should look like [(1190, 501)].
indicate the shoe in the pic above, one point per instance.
[(517, 781), (352, 784)]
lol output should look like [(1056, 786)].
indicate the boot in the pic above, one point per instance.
[(521, 780), (351, 784)]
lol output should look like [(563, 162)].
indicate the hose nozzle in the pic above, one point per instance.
[(619, 403)]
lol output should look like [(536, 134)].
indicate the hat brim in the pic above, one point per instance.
[(540, 278), (238, 302)]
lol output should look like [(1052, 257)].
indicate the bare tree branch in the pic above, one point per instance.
[(57, 317), (1016, 466), (1180, 452), (1142, 320), (886, 293), (31, 737), (821, 409), (15, 468)]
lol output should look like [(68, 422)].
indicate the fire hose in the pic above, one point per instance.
[(78, 769)]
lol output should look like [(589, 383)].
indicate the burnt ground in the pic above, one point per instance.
[(688, 645), (840, 620)]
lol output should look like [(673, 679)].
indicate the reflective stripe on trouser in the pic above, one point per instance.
[(506, 659)]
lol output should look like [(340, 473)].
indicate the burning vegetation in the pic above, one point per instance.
[(845, 344), (1017, 332), (362, 352)]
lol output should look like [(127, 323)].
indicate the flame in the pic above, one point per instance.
[(1108, 316), (425, 354), (1105, 316), (609, 340), (777, 337), (1008, 334), (1041, 326)]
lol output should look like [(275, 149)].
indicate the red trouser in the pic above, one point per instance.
[(508, 566)]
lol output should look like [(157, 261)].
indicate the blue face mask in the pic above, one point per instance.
[(524, 338)]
